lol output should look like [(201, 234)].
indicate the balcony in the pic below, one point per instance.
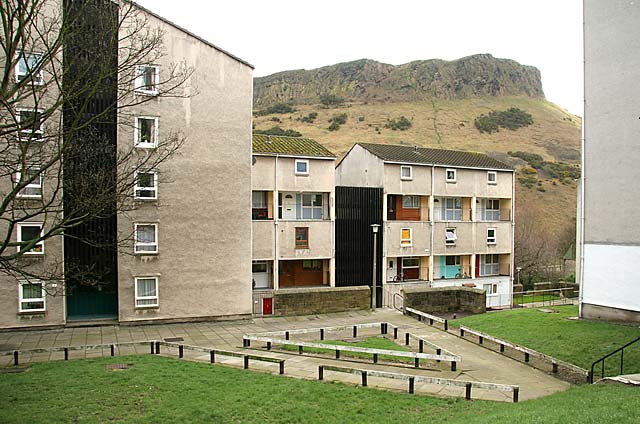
[(452, 272), (407, 208), (493, 215)]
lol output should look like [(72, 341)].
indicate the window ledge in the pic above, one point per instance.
[(32, 313), (146, 253), (146, 308)]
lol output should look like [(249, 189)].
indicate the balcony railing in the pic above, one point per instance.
[(452, 272), (489, 270), (441, 215), (408, 277), (492, 215)]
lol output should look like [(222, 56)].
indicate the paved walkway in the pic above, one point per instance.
[(478, 364)]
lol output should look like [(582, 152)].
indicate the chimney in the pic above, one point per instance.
[(415, 149), (268, 138)]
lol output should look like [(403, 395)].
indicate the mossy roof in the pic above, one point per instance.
[(422, 155), (292, 146)]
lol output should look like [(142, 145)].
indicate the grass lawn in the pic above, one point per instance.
[(578, 342), (167, 390), (374, 342)]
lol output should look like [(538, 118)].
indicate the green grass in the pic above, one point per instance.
[(579, 342), (165, 390), (375, 342)]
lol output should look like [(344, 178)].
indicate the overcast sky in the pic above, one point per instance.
[(279, 35)]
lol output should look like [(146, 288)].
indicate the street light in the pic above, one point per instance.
[(518, 269), (374, 228)]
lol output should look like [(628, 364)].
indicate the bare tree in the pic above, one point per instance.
[(71, 72)]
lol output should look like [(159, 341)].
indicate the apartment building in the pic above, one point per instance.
[(609, 207), (178, 248), (292, 216), (447, 217)]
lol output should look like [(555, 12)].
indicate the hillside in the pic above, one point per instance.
[(442, 120)]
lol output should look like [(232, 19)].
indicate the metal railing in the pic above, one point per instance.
[(444, 215), (493, 215), (559, 296), (602, 360), (452, 272)]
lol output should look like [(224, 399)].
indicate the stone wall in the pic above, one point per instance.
[(321, 300), (445, 299), (572, 288)]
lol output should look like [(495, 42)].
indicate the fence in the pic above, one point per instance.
[(550, 297)]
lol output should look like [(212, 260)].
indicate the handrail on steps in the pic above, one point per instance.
[(621, 350)]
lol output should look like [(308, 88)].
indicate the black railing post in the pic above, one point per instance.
[(322, 334), (268, 345), (467, 394), (461, 332), (526, 357), (516, 392), (286, 335), (281, 366), (554, 368), (337, 353), (411, 384), (480, 339), (406, 339), (395, 333), (180, 351), (446, 325), (152, 348), (421, 346), (453, 365), (417, 363), (15, 358), (364, 379), (355, 331), (212, 356), (66, 353), (501, 348), (113, 350), (157, 348), (320, 372), (246, 362), (300, 350), (375, 358)]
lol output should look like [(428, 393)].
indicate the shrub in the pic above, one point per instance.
[(401, 124), (334, 126), (279, 131), (336, 121), (329, 100), (310, 118), (512, 119), (277, 108), (527, 180), (276, 119), (361, 119)]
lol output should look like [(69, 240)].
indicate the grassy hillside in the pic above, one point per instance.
[(449, 124)]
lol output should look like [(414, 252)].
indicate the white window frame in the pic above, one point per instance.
[(410, 266), (136, 132), (139, 80), (31, 185), (492, 239), (138, 188), (305, 162), (446, 175), (492, 267), (415, 202), (406, 242), (137, 298), (25, 133), (22, 299), (406, 177), (40, 243), (491, 174), (137, 244), (36, 79), (450, 241)]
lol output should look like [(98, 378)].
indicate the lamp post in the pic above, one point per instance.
[(518, 269), (374, 228)]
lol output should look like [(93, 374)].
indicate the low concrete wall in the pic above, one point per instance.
[(321, 300), (445, 299), (604, 313)]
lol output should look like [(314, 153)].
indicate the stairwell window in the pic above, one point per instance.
[(33, 189), (491, 236), (492, 177), (450, 236), (31, 296), (29, 67), (302, 237), (146, 239), (302, 167), (450, 175), (147, 79), (146, 292), (406, 239), (145, 132), (146, 186), (406, 173), (30, 122), (27, 233)]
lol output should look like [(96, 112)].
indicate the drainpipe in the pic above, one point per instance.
[(513, 236), (276, 234), (432, 214)]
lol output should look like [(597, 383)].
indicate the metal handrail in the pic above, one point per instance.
[(621, 350), (394, 301)]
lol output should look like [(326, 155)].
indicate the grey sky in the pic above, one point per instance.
[(279, 35)]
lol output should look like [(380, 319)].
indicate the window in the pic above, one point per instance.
[(147, 79), (31, 296), (27, 68), (28, 232), (452, 260), (410, 262), (491, 236), (146, 238), (450, 236), (146, 292), (309, 206), (259, 266), (146, 132), (489, 265), (451, 175), (302, 237), (146, 187), (312, 265), (302, 167), (30, 121), (492, 210), (406, 173), (490, 288), (33, 190), (411, 202), (452, 209), (405, 237), (411, 268), (259, 209), (492, 177)]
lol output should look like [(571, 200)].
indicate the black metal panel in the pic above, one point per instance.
[(90, 135), (356, 209)]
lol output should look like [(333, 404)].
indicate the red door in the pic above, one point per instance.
[(267, 306)]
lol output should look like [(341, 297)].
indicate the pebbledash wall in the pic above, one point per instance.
[(204, 223), (609, 206)]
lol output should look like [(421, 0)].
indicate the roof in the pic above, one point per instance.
[(292, 146), (178, 27), (422, 155)]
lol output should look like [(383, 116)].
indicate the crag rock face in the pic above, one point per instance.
[(367, 80)]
